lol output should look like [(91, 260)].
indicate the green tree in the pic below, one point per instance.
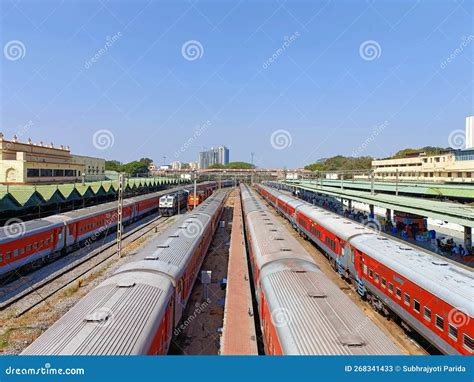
[(341, 163), (239, 165), (217, 165), (112, 165)]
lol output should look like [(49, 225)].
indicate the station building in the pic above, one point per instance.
[(451, 166), (36, 163), (456, 166)]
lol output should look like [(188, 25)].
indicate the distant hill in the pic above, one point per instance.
[(341, 163), (429, 150)]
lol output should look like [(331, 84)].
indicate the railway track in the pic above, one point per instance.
[(42, 290)]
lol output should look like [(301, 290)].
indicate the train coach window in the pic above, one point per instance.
[(1, 258), (468, 343), (8, 256), (376, 277), (384, 283), (427, 313), (407, 299), (22, 251), (371, 273), (15, 253), (28, 248), (390, 287), (399, 293), (453, 332), (416, 306), (439, 322)]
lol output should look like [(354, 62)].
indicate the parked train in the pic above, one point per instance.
[(135, 311), (173, 203), (205, 190), (301, 311), (431, 296), (36, 241)]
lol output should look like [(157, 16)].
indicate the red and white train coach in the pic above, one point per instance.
[(430, 295), (36, 241), (135, 311), (301, 311)]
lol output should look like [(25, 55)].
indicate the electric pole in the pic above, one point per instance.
[(119, 216)]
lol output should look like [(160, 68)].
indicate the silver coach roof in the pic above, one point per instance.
[(314, 317), (170, 251), (173, 251), (291, 201), (272, 241), (113, 319), (18, 229), (250, 202), (341, 226), (448, 281)]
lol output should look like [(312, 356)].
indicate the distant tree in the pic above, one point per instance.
[(134, 168), (148, 161), (315, 167), (217, 165), (429, 150), (239, 165), (112, 165), (185, 166)]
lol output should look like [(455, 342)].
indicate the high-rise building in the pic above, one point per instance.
[(176, 165), (217, 155), (470, 132)]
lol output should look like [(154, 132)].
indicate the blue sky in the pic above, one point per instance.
[(290, 81)]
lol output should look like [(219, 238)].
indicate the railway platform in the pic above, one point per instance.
[(239, 336)]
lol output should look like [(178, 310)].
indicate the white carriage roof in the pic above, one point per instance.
[(273, 240), (314, 317), (17, 229), (342, 227), (113, 319), (448, 281)]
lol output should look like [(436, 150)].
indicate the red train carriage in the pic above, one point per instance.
[(301, 311), (30, 242), (431, 296), (143, 300), (36, 241)]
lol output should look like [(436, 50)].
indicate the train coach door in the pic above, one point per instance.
[(178, 307)]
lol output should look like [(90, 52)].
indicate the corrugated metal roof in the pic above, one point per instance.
[(113, 319), (312, 316), (445, 280), (434, 189), (455, 213), (34, 195)]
